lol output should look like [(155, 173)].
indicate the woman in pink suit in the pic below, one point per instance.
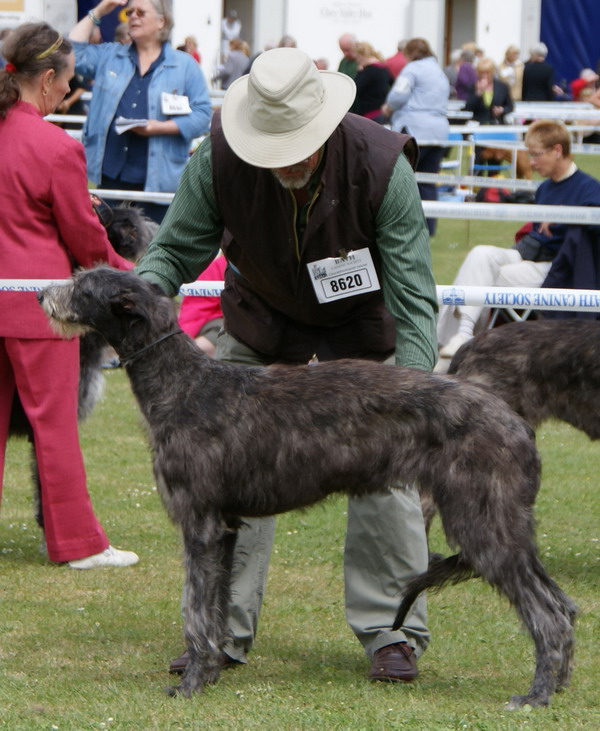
[(47, 225)]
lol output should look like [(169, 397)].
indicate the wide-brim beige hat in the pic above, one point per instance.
[(285, 109)]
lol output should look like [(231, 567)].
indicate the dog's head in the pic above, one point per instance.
[(130, 232), (128, 229), (123, 307)]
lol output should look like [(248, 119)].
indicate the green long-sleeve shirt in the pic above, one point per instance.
[(190, 235)]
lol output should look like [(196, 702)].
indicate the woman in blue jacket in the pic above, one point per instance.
[(144, 80), (417, 104)]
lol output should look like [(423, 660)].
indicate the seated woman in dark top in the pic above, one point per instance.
[(489, 99)]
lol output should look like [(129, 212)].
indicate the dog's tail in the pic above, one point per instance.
[(451, 570), (458, 358)]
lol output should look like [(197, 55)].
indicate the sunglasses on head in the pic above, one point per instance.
[(135, 11)]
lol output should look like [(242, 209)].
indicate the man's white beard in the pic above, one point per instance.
[(294, 184)]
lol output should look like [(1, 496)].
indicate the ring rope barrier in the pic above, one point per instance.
[(575, 300)]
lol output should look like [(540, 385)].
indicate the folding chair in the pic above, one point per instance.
[(489, 138), (454, 165), (509, 314)]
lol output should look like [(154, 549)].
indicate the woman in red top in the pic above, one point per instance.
[(48, 227), (201, 317)]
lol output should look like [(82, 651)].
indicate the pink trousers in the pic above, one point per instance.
[(45, 374)]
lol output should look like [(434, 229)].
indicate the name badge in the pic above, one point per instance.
[(338, 277), (175, 104)]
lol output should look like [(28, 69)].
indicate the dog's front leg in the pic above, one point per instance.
[(205, 615)]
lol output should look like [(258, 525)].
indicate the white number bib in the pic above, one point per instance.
[(338, 277), (175, 104)]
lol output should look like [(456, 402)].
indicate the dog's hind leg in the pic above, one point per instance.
[(566, 667), (511, 565), (549, 615), (514, 569), (545, 609), (208, 548), (492, 522)]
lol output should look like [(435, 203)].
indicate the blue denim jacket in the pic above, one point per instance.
[(111, 67)]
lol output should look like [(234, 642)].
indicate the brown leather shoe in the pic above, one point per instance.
[(179, 664), (395, 663)]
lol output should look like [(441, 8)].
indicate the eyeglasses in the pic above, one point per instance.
[(135, 11), (535, 155)]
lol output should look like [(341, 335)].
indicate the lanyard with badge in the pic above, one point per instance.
[(350, 274), (173, 104)]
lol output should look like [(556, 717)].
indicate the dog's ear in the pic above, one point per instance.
[(125, 302), (130, 301), (156, 289)]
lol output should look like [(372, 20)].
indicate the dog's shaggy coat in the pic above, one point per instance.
[(232, 441), (542, 368)]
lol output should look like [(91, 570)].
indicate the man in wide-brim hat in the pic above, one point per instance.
[(294, 189)]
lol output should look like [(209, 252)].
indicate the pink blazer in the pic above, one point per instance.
[(195, 312), (47, 224)]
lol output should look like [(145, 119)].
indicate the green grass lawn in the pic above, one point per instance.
[(89, 650)]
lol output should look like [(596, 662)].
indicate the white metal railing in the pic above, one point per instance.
[(474, 181), (584, 215)]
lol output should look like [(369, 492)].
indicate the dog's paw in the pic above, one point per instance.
[(177, 691), (527, 702), (172, 691), (191, 684), (211, 677)]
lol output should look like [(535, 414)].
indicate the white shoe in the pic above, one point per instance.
[(449, 350), (109, 557), (442, 366)]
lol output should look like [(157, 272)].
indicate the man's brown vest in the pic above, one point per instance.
[(269, 302)]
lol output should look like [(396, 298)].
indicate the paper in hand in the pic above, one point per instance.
[(123, 124)]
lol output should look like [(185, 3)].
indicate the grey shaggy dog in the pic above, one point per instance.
[(231, 441), (542, 368)]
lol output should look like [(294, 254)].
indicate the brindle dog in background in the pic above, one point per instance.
[(231, 441), (543, 369)]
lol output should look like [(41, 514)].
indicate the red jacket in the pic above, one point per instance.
[(47, 224)]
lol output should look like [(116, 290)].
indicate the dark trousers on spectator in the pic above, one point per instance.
[(430, 160)]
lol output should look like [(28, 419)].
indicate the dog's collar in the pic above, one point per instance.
[(134, 356)]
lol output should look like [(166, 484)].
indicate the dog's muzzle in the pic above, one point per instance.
[(55, 301)]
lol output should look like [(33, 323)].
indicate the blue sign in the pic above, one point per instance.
[(453, 296)]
